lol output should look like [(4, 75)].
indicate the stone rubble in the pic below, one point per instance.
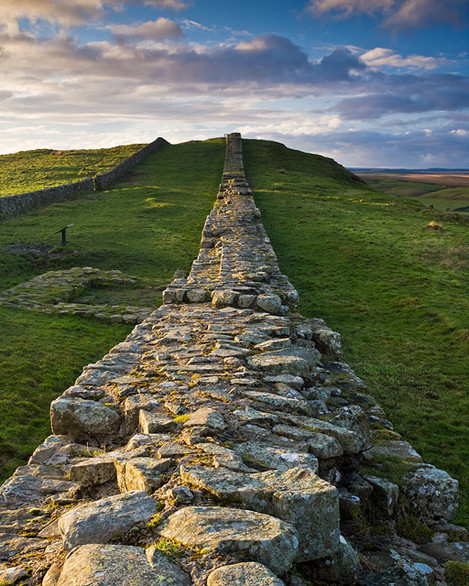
[(224, 443), (55, 291)]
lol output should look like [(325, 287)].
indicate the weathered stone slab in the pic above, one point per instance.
[(12, 575), (109, 565), (154, 423), (296, 361), (341, 568), (100, 521), (22, 489), (223, 456), (223, 297), (351, 442), (250, 415), (247, 534), (289, 379), (93, 471), (140, 474), (297, 495), (270, 303), (446, 551), (274, 344), (54, 450), (385, 492), (396, 449), (82, 419), (275, 458), (320, 445), (206, 417), (278, 402), (244, 574)]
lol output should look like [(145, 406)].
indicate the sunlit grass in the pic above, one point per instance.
[(38, 169)]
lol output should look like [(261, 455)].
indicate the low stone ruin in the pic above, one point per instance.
[(57, 292), (224, 443)]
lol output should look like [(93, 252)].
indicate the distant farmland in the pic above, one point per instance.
[(445, 190)]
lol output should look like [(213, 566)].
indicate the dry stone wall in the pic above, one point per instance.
[(12, 205), (223, 443)]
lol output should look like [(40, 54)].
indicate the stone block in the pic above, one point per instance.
[(269, 303), (275, 458), (108, 565), (385, 493), (242, 574), (93, 471), (296, 361), (341, 568), (206, 417), (433, 493), (237, 532), (223, 297), (197, 295), (82, 419), (297, 495), (102, 520), (153, 423), (140, 474)]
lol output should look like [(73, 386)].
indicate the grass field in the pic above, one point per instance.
[(389, 274), (41, 168)]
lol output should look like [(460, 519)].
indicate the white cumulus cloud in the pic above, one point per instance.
[(380, 57), (152, 29)]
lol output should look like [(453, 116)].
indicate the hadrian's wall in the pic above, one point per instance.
[(11, 205), (224, 443)]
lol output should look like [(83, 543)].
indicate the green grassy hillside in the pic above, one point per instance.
[(387, 273), (41, 168)]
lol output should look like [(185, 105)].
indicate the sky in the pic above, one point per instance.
[(370, 83)]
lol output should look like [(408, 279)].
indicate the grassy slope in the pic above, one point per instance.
[(31, 170), (394, 288), (149, 226)]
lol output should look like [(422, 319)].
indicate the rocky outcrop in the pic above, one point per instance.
[(225, 443)]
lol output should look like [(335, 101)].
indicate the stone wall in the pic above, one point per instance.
[(11, 205), (223, 443)]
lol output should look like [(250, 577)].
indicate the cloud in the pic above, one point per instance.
[(152, 29), (460, 132), (66, 13), (408, 94), (415, 149), (170, 4), (397, 14), (53, 11), (267, 86), (193, 25), (380, 57)]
